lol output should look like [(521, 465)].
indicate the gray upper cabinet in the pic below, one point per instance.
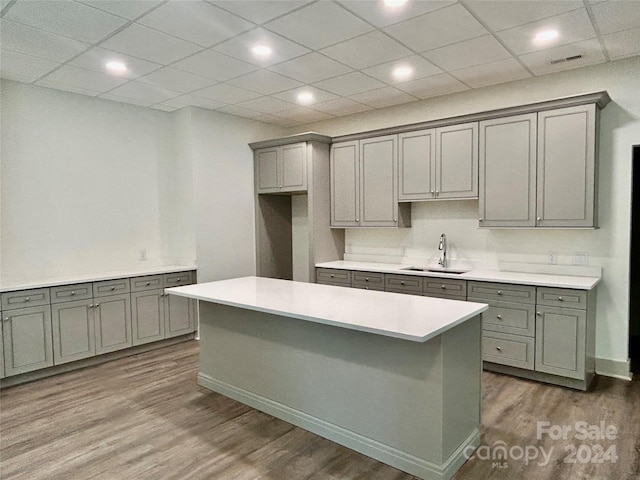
[(507, 171), (566, 167), (281, 169), (364, 184), (440, 163), (456, 172)]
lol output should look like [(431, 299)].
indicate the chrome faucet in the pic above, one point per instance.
[(442, 246)]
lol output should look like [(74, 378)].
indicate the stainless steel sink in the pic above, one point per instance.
[(456, 271)]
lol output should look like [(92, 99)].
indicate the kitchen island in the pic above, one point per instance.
[(395, 377)]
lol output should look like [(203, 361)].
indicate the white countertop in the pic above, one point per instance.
[(519, 278), (407, 317), (71, 279)]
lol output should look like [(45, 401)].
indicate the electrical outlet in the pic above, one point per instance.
[(553, 258), (143, 255), (581, 259)]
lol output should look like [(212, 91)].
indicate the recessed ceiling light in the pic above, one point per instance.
[(402, 73), (394, 3), (261, 50), (305, 97), (546, 36), (116, 67)]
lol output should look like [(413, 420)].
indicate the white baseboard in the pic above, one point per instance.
[(365, 445), (614, 368)]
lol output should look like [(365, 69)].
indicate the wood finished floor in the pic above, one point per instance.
[(144, 417)]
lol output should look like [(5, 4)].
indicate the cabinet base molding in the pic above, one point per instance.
[(540, 376), (89, 362), (614, 368)]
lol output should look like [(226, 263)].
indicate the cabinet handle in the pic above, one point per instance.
[(499, 349), (539, 314), (539, 219), (91, 305), (499, 317), (6, 319), (179, 279), (366, 279), (148, 283), (444, 287), (499, 292), (560, 299), (97, 305), (73, 293), (401, 283), (480, 219), (331, 275), (113, 288), (437, 193)]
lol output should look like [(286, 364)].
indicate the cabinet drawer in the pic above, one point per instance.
[(445, 296), (506, 349), (378, 288), (177, 279), (502, 292), (150, 282), (330, 276), (111, 287), (35, 297), (445, 286), (403, 284), (68, 293), (375, 281), (514, 318), (562, 297)]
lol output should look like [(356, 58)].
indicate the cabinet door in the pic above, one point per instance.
[(147, 316), (378, 194), (416, 164), (179, 316), (457, 161), (267, 174), (345, 174), (560, 341), (294, 168), (112, 316), (27, 339), (508, 171), (2, 375), (566, 167), (73, 331)]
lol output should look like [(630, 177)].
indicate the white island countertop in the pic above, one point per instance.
[(395, 315), (498, 276)]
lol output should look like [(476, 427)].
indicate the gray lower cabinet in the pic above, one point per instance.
[(73, 331), (180, 315), (27, 339), (330, 276), (147, 316), (112, 323), (561, 335), (1, 348), (445, 288)]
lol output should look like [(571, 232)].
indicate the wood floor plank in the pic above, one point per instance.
[(144, 417)]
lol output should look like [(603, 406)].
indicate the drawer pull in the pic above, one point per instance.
[(73, 293), (179, 279), (499, 292), (113, 288), (499, 317), (402, 283), (27, 299), (148, 283), (539, 314), (444, 287), (559, 299), (366, 288), (480, 219), (331, 275), (499, 349), (366, 279)]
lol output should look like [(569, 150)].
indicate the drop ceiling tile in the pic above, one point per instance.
[(437, 29), (367, 50), (318, 95), (144, 92), (493, 73), (66, 18), (468, 53), (265, 82), (214, 65), (303, 115), (374, 11), (17, 65), (349, 84), (383, 97), (193, 100), (311, 68), (150, 44), (500, 15), (132, 101), (178, 80), (239, 111), (573, 27), (260, 11), (616, 16), (420, 66), (273, 120), (86, 79), (164, 108), (623, 44), (96, 58), (266, 105), (319, 25), (433, 86), (539, 62), (31, 41), (68, 88), (341, 106), (196, 21), (129, 9), (282, 49), (226, 93)]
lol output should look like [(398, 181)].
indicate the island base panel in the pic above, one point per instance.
[(412, 405)]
